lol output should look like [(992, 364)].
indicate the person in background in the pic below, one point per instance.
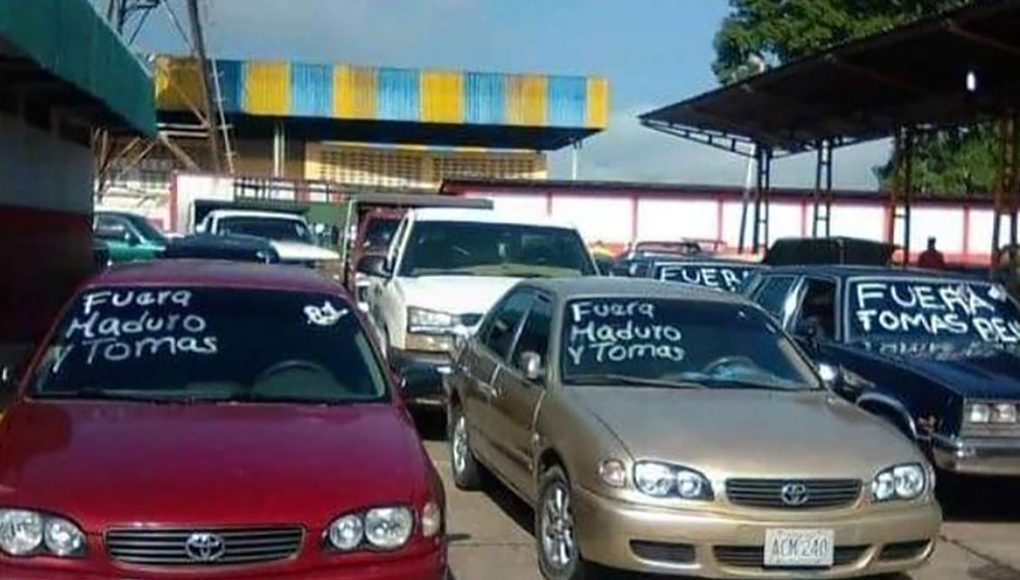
[(931, 258)]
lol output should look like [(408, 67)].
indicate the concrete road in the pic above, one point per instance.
[(491, 537)]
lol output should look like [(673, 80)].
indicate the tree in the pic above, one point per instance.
[(775, 32)]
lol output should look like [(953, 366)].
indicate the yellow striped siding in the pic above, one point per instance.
[(178, 84), (442, 97), (598, 102), (526, 100), (267, 88), (354, 92)]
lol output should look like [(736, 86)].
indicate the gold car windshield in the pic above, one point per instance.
[(678, 343)]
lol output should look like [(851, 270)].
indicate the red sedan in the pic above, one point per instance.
[(215, 421)]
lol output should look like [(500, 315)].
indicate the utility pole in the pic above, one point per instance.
[(206, 77)]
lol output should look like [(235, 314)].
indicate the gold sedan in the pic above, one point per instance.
[(662, 429)]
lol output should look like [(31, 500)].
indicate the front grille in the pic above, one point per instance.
[(769, 493), (662, 552), (159, 547), (754, 556), (904, 550)]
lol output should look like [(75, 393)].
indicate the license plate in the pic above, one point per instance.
[(799, 548)]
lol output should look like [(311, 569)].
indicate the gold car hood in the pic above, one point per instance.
[(746, 433)]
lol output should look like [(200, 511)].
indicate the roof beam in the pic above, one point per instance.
[(878, 76), (955, 29)]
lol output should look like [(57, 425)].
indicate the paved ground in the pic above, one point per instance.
[(491, 537)]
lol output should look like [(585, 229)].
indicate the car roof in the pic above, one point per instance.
[(598, 286), (256, 214), (485, 216), (848, 271), (217, 274)]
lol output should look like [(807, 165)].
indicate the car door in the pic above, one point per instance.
[(483, 357), (515, 399)]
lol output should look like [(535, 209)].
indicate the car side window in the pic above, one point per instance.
[(114, 229), (819, 303), (773, 294), (536, 331), (502, 329)]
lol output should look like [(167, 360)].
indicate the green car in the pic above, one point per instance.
[(128, 237)]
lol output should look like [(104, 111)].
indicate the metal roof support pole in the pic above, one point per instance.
[(761, 199), (901, 195), (1007, 196), (822, 198), (745, 198), (206, 82), (575, 159)]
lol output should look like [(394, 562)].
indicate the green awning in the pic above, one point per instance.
[(70, 42)]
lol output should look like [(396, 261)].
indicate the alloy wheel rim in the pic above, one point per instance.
[(460, 445), (557, 528)]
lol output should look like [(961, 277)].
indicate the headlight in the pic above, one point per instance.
[(346, 533), (662, 480), (385, 528), (388, 528), (903, 482), (425, 321), (1004, 413), (979, 413), (25, 533)]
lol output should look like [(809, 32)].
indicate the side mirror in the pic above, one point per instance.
[(374, 266), (829, 374), (531, 365), (8, 378)]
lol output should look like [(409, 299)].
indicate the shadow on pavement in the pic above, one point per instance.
[(986, 500), (431, 423)]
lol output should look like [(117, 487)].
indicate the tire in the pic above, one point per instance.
[(467, 473), (559, 555)]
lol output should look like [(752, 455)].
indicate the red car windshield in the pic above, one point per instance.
[(210, 344)]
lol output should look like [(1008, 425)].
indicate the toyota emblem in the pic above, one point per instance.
[(205, 547), (794, 494)]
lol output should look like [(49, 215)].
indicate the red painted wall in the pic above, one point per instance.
[(44, 256)]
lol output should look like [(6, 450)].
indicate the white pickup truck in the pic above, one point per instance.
[(445, 269), (289, 235)]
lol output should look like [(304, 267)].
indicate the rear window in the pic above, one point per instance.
[(944, 309), (179, 343)]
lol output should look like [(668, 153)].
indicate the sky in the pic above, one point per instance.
[(654, 52)]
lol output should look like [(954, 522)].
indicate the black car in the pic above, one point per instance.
[(235, 248), (936, 355)]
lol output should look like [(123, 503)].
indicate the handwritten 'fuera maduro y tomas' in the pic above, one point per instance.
[(678, 430), (214, 420)]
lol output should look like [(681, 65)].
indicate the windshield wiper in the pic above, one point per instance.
[(745, 384), (608, 379), (248, 398), (96, 394)]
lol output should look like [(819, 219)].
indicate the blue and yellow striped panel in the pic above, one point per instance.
[(389, 94)]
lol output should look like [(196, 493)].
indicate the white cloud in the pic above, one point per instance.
[(627, 151)]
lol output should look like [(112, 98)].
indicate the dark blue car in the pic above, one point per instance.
[(936, 355)]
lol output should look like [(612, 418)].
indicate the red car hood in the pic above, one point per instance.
[(109, 464)]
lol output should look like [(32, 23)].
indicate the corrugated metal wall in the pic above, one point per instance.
[(348, 92)]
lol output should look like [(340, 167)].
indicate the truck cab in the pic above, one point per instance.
[(289, 234), (443, 272)]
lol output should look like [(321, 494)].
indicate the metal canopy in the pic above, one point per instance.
[(915, 76)]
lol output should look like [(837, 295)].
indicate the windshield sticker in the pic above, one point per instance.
[(728, 278), (160, 322), (325, 315), (934, 309), (618, 331)]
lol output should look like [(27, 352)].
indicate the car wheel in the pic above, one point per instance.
[(467, 473), (559, 556)]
